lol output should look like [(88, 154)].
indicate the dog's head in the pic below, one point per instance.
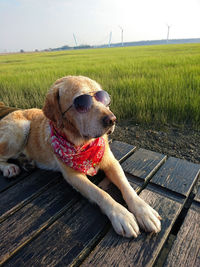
[(78, 126)]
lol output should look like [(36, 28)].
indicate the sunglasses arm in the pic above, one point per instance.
[(63, 113)]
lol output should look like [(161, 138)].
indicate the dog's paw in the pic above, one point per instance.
[(147, 218), (124, 222), (11, 170)]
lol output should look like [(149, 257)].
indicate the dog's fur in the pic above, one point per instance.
[(28, 131)]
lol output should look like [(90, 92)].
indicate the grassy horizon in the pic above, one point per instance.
[(149, 84)]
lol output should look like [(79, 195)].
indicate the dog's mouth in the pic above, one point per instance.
[(108, 132), (107, 127), (111, 130)]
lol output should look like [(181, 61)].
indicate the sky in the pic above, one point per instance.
[(40, 24)]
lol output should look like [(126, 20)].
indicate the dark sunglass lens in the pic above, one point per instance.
[(83, 103), (103, 97)]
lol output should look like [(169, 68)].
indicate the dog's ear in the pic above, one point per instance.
[(51, 107)]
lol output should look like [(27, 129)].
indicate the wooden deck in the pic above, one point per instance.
[(44, 222)]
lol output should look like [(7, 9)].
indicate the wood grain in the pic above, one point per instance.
[(197, 196), (186, 249), (6, 183), (66, 238), (121, 150), (114, 250), (25, 190), (20, 227), (69, 239), (143, 163), (177, 175)]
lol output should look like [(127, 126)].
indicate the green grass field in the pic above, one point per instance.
[(159, 84)]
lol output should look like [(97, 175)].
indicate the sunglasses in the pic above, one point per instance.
[(83, 103)]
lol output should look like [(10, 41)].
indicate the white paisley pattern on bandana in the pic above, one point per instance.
[(84, 159)]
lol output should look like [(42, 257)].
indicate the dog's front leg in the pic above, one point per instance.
[(146, 216), (122, 220)]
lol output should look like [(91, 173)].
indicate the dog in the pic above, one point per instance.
[(70, 135), (4, 110)]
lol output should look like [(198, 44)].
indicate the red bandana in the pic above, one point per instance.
[(85, 158)]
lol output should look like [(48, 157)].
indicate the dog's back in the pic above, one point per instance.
[(5, 110)]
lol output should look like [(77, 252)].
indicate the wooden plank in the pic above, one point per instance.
[(69, 235), (69, 239), (121, 150), (143, 163), (177, 175), (6, 183), (197, 196), (114, 250), (25, 190), (186, 248), (22, 226)]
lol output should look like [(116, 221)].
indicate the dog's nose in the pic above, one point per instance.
[(109, 120)]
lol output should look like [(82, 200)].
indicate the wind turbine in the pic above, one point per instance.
[(75, 39), (122, 35), (110, 37), (168, 29)]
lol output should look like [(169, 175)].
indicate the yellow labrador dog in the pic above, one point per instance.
[(70, 135)]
